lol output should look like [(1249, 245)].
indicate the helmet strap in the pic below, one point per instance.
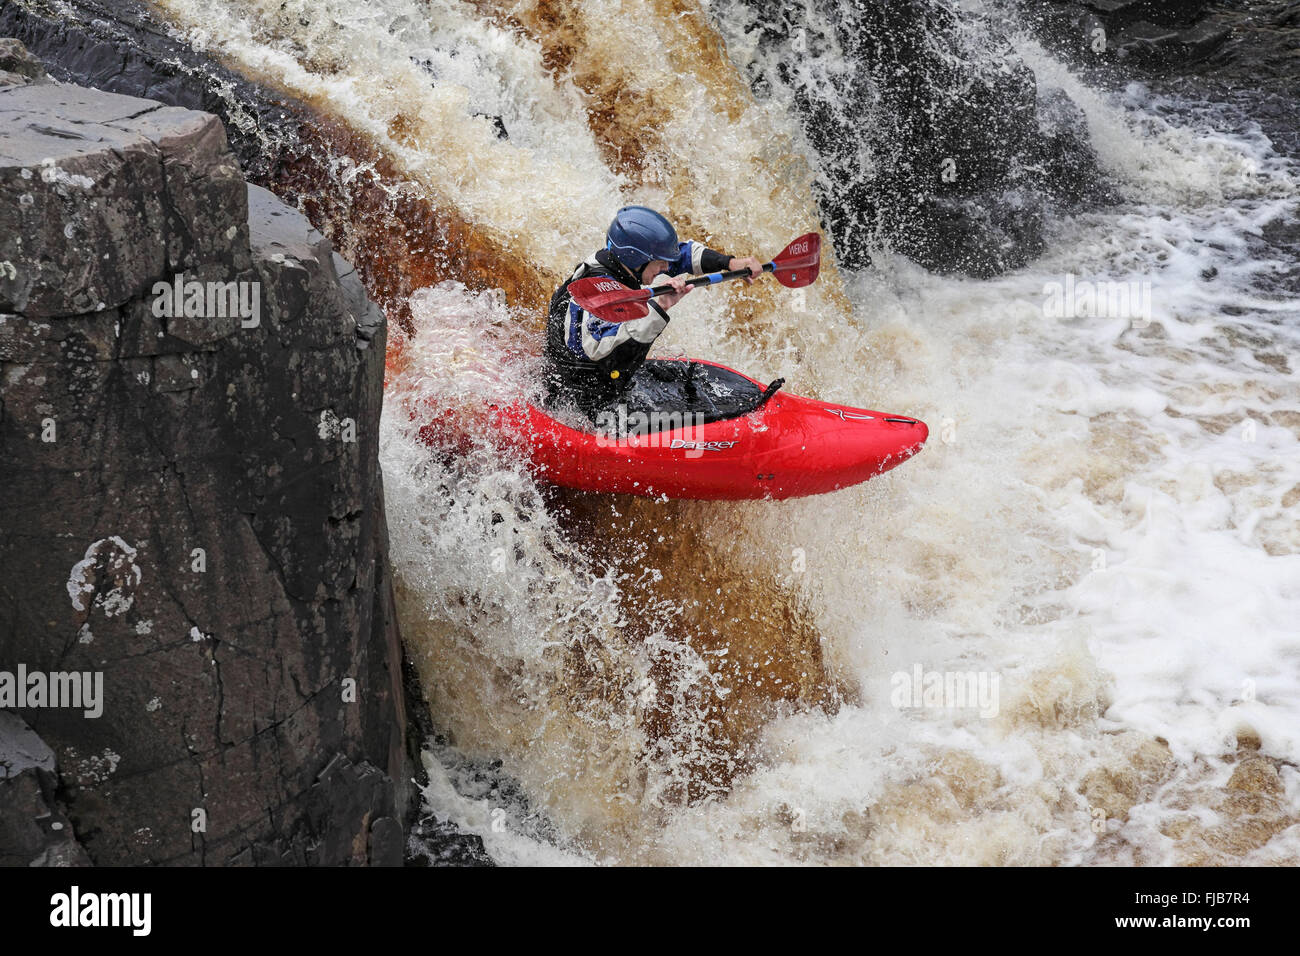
[(632, 274)]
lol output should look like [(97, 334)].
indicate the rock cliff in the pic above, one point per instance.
[(190, 389)]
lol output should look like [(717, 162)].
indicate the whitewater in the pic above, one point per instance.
[(1105, 519)]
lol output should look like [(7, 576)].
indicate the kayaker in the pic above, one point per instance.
[(591, 362)]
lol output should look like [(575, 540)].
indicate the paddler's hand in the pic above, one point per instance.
[(749, 262), (667, 300)]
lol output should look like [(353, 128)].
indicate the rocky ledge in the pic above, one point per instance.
[(198, 651)]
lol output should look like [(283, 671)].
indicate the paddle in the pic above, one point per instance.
[(611, 301)]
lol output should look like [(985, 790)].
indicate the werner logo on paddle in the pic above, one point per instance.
[(608, 287), (799, 248), (77, 909)]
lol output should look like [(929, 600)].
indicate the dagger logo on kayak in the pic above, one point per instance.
[(845, 416), (703, 445)]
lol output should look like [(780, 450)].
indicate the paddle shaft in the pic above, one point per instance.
[(711, 278), (610, 301)]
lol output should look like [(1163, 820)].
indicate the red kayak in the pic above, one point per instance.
[(694, 429)]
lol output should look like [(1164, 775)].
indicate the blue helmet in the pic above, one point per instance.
[(638, 235)]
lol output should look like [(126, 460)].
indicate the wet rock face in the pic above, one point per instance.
[(17, 66), (124, 46), (34, 827), (934, 138), (1234, 53), (111, 191), (190, 386), (1141, 34), (119, 46), (1252, 44)]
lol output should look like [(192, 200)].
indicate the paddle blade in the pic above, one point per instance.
[(608, 300), (800, 262)]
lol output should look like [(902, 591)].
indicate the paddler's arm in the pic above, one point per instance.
[(666, 300), (747, 262), (695, 258)]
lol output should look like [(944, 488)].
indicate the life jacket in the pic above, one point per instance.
[(592, 384)]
